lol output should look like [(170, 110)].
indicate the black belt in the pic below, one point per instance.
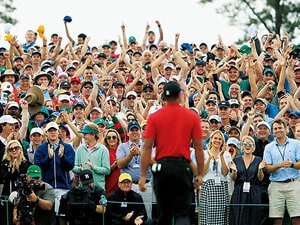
[(172, 159), (286, 181), (136, 182)]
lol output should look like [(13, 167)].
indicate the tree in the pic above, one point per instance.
[(6, 8), (277, 16)]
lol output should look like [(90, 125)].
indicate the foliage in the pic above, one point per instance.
[(277, 16), (6, 9)]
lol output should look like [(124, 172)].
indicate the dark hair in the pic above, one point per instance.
[(89, 67), (279, 121), (82, 35)]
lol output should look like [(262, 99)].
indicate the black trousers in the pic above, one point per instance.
[(173, 186)]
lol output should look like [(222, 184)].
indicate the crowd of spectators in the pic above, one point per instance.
[(96, 101)]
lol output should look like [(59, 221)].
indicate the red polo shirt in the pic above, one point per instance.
[(173, 127)]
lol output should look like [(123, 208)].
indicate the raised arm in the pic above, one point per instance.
[(68, 33)]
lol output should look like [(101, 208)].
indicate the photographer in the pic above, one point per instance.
[(40, 200), (84, 204)]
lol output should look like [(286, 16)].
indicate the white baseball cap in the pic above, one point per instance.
[(8, 119), (13, 104), (6, 86), (36, 130), (51, 125), (131, 93), (63, 97)]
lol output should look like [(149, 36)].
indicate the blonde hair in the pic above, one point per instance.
[(117, 134), (247, 137), (9, 158), (223, 139)]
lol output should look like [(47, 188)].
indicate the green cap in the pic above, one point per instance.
[(110, 124), (88, 130), (34, 171), (99, 121), (245, 49)]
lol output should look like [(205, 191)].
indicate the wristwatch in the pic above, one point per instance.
[(292, 165)]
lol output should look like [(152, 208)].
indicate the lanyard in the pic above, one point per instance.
[(282, 154)]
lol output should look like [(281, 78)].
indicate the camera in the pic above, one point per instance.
[(25, 208)]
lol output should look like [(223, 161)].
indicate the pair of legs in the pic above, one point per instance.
[(281, 195), (295, 221)]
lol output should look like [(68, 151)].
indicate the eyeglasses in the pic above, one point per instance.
[(234, 106), (15, 148), (126, 182), (248, 144), (90, 87), (131, 98), (148, 91), (111, 137), (214, 122)]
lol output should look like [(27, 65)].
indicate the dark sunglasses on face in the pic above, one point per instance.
[(90, 87), (131, 98), (234, 106), (248, 144), (12, 149), (146, 91), (111, 137)]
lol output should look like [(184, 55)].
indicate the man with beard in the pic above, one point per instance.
[(130, 100), (18, 64), (105, 84)]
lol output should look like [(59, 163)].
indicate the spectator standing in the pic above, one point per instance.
[(282, 158), (214, 190), (56, 159), (248, 172), (92, 155)]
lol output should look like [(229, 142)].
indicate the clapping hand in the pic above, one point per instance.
[(262, 165), (138, 220), (128, 216), (50, 151), (61, 151), (232, 166), (90, 164)]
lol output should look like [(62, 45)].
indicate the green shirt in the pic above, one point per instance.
[(100, 160), (244, 85)]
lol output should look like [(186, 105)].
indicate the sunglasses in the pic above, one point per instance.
[(12, 149), (131, 98), (234, 106), (248, 144), (215, 165), (214, 122), (148, 91), (111, 137), (90, 87)]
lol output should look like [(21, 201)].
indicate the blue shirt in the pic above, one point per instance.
[(134, 166), (275, 153)]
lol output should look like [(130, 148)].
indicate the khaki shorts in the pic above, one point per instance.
[(281, 193)]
